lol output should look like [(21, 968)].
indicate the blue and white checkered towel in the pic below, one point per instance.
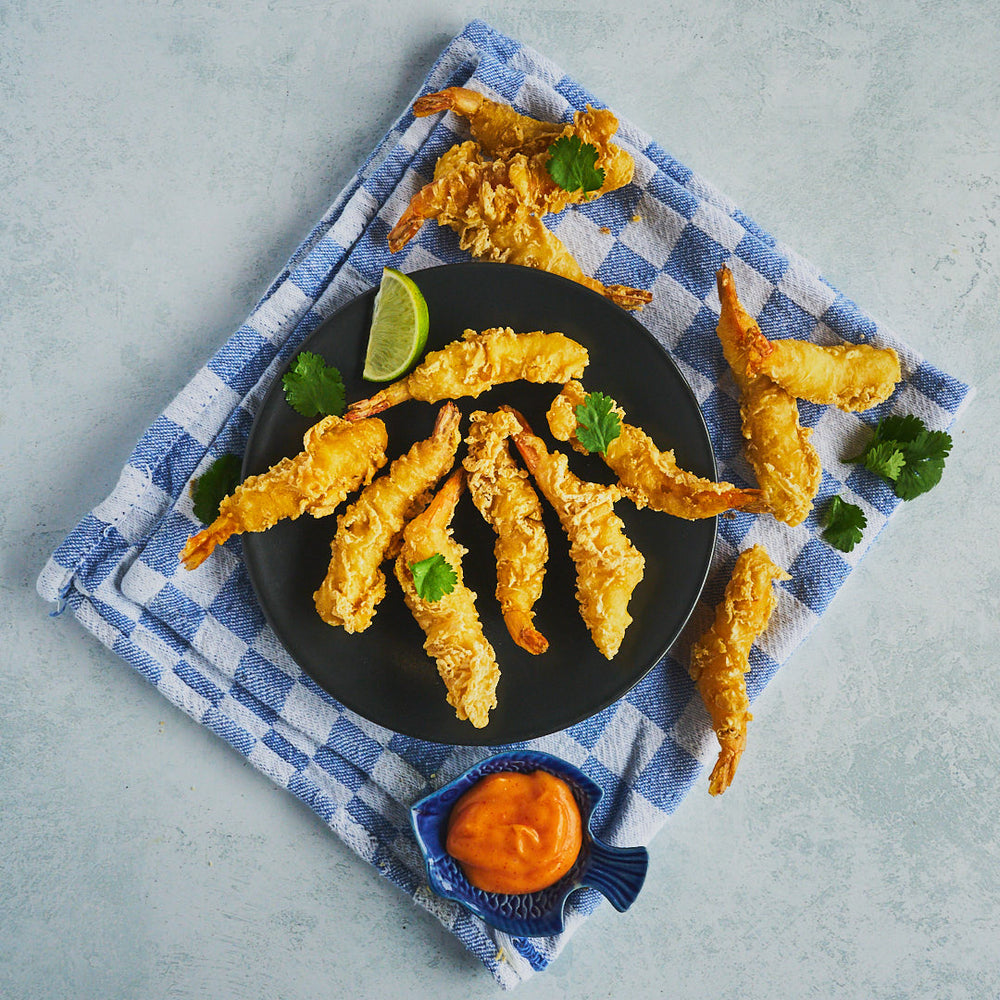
[(200, 636)]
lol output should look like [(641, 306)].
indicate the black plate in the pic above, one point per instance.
[(383, 673)]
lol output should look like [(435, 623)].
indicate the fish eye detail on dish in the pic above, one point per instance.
[(402, 514)]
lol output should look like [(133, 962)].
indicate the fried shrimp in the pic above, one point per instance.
[(454, 633), (608, 566), (338, 456), (498, 128), (720, 659), (494, 190), (849, 376), (502, 494), (370, 530), (478, 362), (647, 476), (786, 464)]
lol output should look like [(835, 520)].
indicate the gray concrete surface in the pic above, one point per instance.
[(159, 162)]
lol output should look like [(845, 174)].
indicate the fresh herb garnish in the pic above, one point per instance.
[(433, 577), (573, 166), (844, 524), (903, 451), (597, 423), (214, 485), (314, 388)]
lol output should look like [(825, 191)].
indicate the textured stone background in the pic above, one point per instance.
[(159, 162)]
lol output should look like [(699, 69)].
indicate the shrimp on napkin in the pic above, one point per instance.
[(786, 464), (454, 633), (370, 530), (502, 494), (851, 377), (337, 457), (502, 133), (478, 362), (647, 476), (720, 659), (608, 566)]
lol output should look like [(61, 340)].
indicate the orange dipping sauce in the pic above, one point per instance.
[(515, 833)]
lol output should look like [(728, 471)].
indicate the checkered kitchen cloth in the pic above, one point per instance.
[(200, 636)]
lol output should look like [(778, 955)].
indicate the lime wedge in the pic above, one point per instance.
[(398, 332)]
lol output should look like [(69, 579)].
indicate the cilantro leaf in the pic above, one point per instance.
[(572, 164), (314, 388), (214, 485), (433, 577), (597, 423), (904, 451), (885, 460), (925, 457), (844, 523)]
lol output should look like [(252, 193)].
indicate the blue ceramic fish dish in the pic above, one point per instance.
[(616, 872)]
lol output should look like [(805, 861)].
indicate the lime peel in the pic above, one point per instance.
[(398, 333)]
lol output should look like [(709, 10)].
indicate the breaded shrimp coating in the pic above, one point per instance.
[(454, 633), (647, 476), (777, 446), (720, 659), (498, 128), (502, 494), (478, 362), (371, 529), (851, 377), (608, 566), (338, 457)]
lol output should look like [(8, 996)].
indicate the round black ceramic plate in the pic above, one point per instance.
[(383, 673)]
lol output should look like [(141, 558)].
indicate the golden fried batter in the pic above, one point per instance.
[(498, 128), (502, 494), (495, 202), (848, 376), (720, 659), (370, 530), (647, 476), (338, 457), (455, 639), (786, 464), (478, 362), (608, 566)]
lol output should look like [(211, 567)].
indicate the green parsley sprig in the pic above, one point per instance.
[(313, 388), (597, 423), (433, 577), (214, 485), (572, 164), (906, 453), (844, 524)]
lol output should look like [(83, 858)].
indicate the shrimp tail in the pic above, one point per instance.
[(523, 632), (392, 394), (199, 547), (627, 297), (731, 744), (461, 100)]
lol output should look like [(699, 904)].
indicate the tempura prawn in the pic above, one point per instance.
[(786, 464), (478, 362), (646, 475), (454, 634), (496, 127), (720, 659), (608, 566), (851, 377), (502, 494), (370, 530), (338, 456)]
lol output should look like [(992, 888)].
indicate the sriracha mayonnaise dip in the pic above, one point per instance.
[(515, 833)]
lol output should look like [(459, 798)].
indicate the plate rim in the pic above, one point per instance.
[(478, 737)]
